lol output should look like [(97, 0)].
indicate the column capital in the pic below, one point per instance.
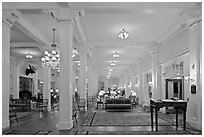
[(10, 15), (154, 48), (191, 17), (66, 16)]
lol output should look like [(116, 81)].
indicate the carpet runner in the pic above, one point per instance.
[(174, 132), (136, 118), (25, 132)]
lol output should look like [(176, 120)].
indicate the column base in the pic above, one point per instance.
[(5, 123), (65, 125)]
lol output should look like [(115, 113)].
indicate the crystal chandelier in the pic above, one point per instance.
[(123, 34), (29, 55), (115, 54), (51, 59)]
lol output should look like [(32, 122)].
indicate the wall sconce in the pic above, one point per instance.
[(187, 78)]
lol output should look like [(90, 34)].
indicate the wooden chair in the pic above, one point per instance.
[(81, 103), (12, 114), (42, 104)]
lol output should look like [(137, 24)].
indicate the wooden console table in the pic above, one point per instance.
[(157, 104)]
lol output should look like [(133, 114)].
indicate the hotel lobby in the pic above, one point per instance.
[(102, 68)]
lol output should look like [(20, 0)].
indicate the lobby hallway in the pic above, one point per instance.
[(46, 124)]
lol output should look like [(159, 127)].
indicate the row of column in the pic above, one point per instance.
[(66, 84)]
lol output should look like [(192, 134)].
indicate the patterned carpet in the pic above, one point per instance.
[(25, 132), (136, 118), (178, 132)]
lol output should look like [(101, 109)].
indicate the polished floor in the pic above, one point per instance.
[(46, 123)]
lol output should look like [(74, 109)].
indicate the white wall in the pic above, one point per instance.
[(174, 46)]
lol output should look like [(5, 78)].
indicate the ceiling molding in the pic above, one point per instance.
[(29, 5), (22, 24)]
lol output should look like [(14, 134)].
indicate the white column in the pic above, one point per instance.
[(95, 89), (194, 111), (155, 74), (66, 44), (92, 82), (35, 84), (16, 79), (73, 78), (5, 72), (47, 85), (90, 79), (95, 83), (82, 76), (139, 84)]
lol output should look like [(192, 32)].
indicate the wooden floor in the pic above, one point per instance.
[(48, 122)]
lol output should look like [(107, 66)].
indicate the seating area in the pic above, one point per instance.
[(20, 103), (118, 104), (83, 68)]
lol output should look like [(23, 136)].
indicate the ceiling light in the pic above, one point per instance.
[(115, 54), (51, 59), (112, 63), (29, 55), (123, 34), (73, 55)]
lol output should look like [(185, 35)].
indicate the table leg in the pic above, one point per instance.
[(156, 118), (176, 118), (152, 125), (184, 119)]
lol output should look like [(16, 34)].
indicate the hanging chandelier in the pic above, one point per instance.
[(29, 55), (123, 34), (51, 59), (112, 63), (115, 54)]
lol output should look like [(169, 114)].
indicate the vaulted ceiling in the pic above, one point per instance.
[(100, 24)]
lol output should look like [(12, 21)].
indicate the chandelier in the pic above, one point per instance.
[(115, 54), (29, 55), (123, 34), (51, 59), (112, 63)]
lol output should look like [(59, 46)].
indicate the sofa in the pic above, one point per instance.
[(118, 104)]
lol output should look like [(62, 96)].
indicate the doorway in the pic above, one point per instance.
[(174, 90)]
